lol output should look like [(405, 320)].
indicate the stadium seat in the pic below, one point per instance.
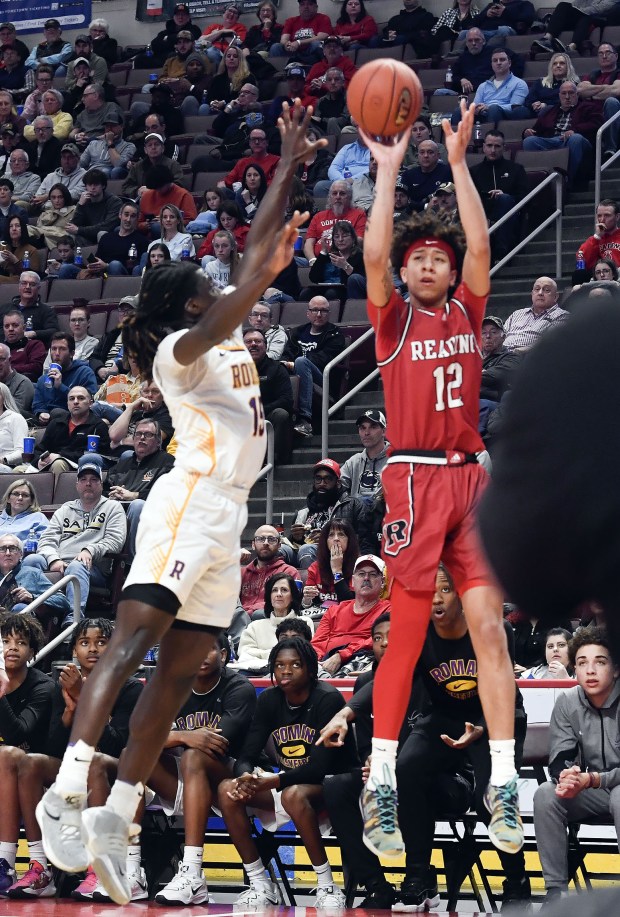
[(199, 124), (543, 160), (513, 130), (116, 287), (354, 311), (65, 488), (68, 290), (295, 313), (141, 77), (205, 180), (367, 54)]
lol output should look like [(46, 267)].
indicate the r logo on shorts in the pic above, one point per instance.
[(396, 536), (177, 569)]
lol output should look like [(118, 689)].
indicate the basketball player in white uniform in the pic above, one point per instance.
[(184, 582)]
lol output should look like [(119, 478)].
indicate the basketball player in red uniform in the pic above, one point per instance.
[(428, 351)]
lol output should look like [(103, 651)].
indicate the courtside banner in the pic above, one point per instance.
[(29, 15), (160, 10)]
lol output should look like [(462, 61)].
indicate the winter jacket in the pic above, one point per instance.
[(253, 579), (72, 529), (57, 438), (329, 343), (351, 508), (497, 371), (275, 385), (78, 373), (582, 734)]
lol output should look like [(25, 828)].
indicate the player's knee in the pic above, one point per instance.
[(489, 632), (10, 758), (98, 767), (224, 801), (194, 761), (295, 800)]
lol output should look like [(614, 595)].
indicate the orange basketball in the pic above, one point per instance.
[(385, 96)]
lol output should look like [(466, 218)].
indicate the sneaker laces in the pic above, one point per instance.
[(33, 873), (508, 801), (386, 804)]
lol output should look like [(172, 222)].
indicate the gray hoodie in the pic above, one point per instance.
[(354, 468), (101, 531), (585, 735)]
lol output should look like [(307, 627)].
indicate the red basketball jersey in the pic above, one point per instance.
[(431, 366)]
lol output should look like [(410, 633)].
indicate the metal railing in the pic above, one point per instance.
[(600, 166), (41, 600), (267, 472), (326, 410)]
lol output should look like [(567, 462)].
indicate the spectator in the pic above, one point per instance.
[(602, 87), (363, 187), (118, 390), (501, 184), (53, 50), (456, 19), (525, 326), (85, 343), (326, 501), (8, 36), (7, 207), (109, 153), (261, 319), (301, 703), (40, 319), (345, 631), (295, 76), (582, 16), (503, 95), (21, 513), (72, 373), (69, 546), (220, 268), (261, 37), (340, 263), (221, 35), (97, 210), (104, 359), (498, 363), (25, 182), (351, 161), (163, 43), (556, 664), (584, 720), (154, 155), (206, 737), (233, 75), (193, 85), (512, 17), (308, 351), (70, 174), (45, 150), (83, 51), (174, 65), (173, 233), (573, 124), (422, 181), (130, 481), (33, 106), (18, 252), (546, 90), (162, 190), (103, 45), (27, 354), (361, 474), (13, 73), (312, 170), (338, 208), (22, 584), (9, 116), (25, 708), (13, 428), (20, 387), (149, 405), (275, 389), (206, 219), (421, 130), (268, 561), (52, 223), (114, 247), (252, 191), (259, 156), (333, 56), (294, 627), (605, 243), (157, 254), (230, 219), (330, 111), (412, 25), (90, 122), (530, 638), (302, 35), (329, 576), (354, 26), (473, 65)]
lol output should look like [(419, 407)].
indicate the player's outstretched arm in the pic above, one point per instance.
[(378, 235), (471, 212)]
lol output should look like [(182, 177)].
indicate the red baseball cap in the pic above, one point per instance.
[(330, 464)]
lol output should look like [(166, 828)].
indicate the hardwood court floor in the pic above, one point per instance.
[(65, 907)]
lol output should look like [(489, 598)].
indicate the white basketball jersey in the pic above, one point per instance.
[(216, 409)]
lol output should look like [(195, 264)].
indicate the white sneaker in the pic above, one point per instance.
[(139, 888), (330, 898), (106, 837), (266, 894), (60, 821), (185, 888)]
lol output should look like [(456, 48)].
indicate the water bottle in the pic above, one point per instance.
[(185, 256), (205, 97), (26, 261), (78, 257), (346, 172), (28, 325), (477, 135), (149, 51), (448, 80), (32, 542), (580, 263), (133, 252)]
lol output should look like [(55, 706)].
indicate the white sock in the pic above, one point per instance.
[(134, 859), (124, 799), (383, 752), (8, 852), (192, 858), (502, 761), (36, 852), (72, 776), (324, 876), (256, 873)]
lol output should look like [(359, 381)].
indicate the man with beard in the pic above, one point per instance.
[(338, 208), (268, 560)]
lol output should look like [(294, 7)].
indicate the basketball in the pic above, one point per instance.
[(385, 97)]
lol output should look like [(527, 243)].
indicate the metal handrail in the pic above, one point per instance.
[(600, 166), (326, 411), (267, 471), (42, 599)]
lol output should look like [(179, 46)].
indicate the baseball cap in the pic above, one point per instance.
[(157, 137), (51, 24), (129, 300), (375, 416), (370, 559), (332, 40), (8, 128), (7, 25), (295, 71), (184, 33), (112, 117), (494, 320), (330, 464), (181, 8), (84, 38), (81, 60), (446, 188), (89, 464), (71, 147)]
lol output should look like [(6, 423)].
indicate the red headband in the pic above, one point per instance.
[(428, 242)]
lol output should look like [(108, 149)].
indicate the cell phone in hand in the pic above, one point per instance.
[(91, 258), (44, 456)]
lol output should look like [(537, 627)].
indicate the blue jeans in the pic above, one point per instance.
[(308, 374), (76, 568), (489, 33), (119, 172), (134, 510), (495, 113), (68, 271), (611, 137), (578, 148), (106, 411), (356, 286), (310, 54), (191, 106)]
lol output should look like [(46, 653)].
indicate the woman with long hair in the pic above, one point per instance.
[(252, 191), (173, 233), (13, 428), (230, 219), (184, 582), (556, 664), (207, 217), (158, 253), (329, 576), (220, 270), (21, 512), (261, 37), (15, 248), (355, 25), (57, 211), (232, 73), (341, 262), (546, 90)]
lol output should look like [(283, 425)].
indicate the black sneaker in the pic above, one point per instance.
[(517, 896), (553, 895), (558, 46), (379, 898), (418, 892), (542, 44)]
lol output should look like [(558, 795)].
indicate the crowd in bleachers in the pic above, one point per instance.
[(112, 162)]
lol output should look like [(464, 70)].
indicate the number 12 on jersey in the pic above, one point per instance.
[(448, 381), (259, 416)]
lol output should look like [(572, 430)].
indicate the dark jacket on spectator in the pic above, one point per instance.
[(411, 23), (586, 118), (354, 509), (317, 271), (72, 445), (275, 385), (317, 171), (164, 42), (48, 159), (328, 345), (28, 356), (530, 638), (519, 15), (502, 174), (497, 371), (44, 318), (139, 476), (95, 217), (107, 48)]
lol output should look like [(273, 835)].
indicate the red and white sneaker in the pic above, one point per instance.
[(37, 882), (84, 891)]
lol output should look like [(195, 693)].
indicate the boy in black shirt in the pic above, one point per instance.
[(205, 738), (289, 717)]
